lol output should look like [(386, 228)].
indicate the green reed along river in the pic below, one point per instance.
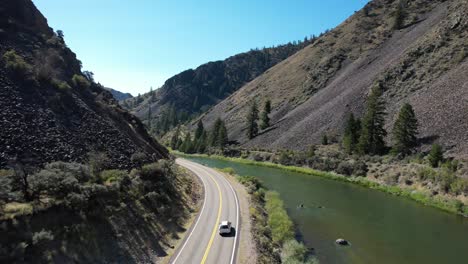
[(380, 227)]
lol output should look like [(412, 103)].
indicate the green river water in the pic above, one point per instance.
[(380, 227)]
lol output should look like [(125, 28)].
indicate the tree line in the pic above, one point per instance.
[(217, 137), (367, 136)]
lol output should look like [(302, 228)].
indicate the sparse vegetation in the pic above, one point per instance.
[(80, 81), (16, 64)]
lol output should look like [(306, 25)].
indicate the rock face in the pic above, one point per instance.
[(196, 90), (45, 115), (423, 63), (119, 96)]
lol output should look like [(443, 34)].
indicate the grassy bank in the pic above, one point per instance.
[(272, 229), (447, 204)]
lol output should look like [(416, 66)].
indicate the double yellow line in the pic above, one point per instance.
[(207, 250)]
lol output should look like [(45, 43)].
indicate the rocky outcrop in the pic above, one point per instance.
[(45, 115)]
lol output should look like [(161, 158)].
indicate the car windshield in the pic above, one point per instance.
[(224, 226)]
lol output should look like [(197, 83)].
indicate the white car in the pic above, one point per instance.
[(225, 228)]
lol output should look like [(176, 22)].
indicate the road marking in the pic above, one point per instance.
[(205, 256), (237, 223), (196, 223), (237, 210)]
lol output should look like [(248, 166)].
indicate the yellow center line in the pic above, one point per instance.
[(207, 250)]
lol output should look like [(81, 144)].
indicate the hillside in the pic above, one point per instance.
[(196, 90), (50, 111), (81, 181), (119, 96), (422, 61)]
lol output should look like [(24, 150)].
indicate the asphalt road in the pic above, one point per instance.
[(203, 244)]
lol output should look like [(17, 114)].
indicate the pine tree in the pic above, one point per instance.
[(201, 143), (405, 130), (175, 138), (187, 145), (435, 156), (222, 136), (324, 139), (372, 136), (399, 15), (200, 129), (351, 134), (214, 135), (252, 117), (264, 117)]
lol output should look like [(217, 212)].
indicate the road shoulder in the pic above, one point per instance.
[(196, 199), (246, 248)]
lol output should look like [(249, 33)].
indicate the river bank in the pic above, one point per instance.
[(441, 202), (381, 228), (270, 226)]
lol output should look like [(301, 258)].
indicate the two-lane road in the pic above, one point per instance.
[(203, 244)]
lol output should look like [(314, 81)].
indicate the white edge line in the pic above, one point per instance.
[(237, 214), (196, 223), (237, 223)]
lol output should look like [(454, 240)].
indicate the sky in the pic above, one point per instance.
[(132, 45)]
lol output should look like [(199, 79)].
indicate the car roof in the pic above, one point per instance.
[(224, 222)]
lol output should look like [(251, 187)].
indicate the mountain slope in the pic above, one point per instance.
[(118, 95), (50, 111), (194, 91), (423, 63)]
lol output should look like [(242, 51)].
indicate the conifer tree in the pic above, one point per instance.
[(399, 15), (201, 143), (175, 138), (187, 145), (372, 136), (200, 129), (215, 132), (435, 156), (324, 139), (264, 117), (222, 136), (252, 117), (405, 130), (351, 134)]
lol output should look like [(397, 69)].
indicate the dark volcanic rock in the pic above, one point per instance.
[(40, 122)]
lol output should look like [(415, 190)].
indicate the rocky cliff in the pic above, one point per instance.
[(50, 110)]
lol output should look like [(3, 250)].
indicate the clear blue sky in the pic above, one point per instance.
[(134, 44)]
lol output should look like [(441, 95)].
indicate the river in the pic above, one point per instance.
[(380, 227)]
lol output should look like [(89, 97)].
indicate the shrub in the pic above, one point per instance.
[(80, 81), (41, 237), (98, 161), (14, 209), (344, 168), (61, 85), (228, 170), (293, 252), (156, 171), (109, 176), (460, 186), (16, 64), (360, 168), (139, 158)]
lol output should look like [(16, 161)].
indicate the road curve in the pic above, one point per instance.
[(203, 244)]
